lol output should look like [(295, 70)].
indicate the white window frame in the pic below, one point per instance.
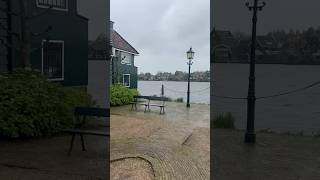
[(55, 8), (131, 58), (129, 79), (53, 41)]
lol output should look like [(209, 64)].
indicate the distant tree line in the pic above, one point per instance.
[(278, 46), (200, 76)]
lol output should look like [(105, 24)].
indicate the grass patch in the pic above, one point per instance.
[(224, 121), (179, 100)]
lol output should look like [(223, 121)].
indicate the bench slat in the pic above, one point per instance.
[(152, 98), (159, 105)]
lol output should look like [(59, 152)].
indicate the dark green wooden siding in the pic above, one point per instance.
[(73, 30), (119, 69), (67, 26)]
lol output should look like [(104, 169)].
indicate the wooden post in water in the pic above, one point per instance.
[(162, 90)]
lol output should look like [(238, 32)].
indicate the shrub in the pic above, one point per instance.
[(72, 98), (224, 120), (31, 106), (121, 95)]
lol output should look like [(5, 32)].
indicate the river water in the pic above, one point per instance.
[(200, 91), (295, 112)]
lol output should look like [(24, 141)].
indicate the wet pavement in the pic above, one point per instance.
[(198, 115), (168, 143), (46, 158), (274, 156)]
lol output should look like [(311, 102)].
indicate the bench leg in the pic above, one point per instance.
[(162, 110), (82, 142), (145, 108), (132, 107), (71, 144)]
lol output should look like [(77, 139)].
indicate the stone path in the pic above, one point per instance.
[(169, 148)]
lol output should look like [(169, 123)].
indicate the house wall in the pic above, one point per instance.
[(120, 69), (98, 84), (75, 39), (3, 38)]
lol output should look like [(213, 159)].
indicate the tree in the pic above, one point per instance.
[(24, 36)]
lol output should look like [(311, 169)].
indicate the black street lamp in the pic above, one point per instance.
[(250, 136), (190, 55)]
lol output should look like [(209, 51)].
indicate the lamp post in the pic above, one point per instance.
[(250, 136), (190, 55)]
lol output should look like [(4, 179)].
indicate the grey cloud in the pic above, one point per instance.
[(163, 30)]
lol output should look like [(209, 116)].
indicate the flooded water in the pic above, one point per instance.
[(200, 91), (295, 112)]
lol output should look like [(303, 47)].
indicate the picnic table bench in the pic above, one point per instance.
[(78, 124), (148, 101)]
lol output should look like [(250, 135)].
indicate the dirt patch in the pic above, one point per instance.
[(131, 169)]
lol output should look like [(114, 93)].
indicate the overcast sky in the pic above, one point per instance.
[(285, 14), (163, 30)]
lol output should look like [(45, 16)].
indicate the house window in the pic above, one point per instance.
[(126, 58), (126, 80), (53, 59), (55, 4)]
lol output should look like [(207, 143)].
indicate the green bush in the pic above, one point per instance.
[(30, 106), (121, 95), (224, 120)]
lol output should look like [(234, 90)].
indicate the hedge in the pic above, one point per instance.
[(31, 106)]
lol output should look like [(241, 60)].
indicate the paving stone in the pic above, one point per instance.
[(164, 148)]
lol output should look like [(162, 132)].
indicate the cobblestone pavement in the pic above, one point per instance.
[(275, 156), (168, 144)]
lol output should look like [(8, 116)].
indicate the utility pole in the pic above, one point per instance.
[(250, 136)]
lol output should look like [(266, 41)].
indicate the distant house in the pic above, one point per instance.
[(123, 69), (223, 42), (267, 49), (60, 53)]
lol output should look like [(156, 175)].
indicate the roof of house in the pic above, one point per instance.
[(224, 37), (266, 41), (118, 42)]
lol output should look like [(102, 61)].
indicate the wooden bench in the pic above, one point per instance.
[(141, 100), (78, 125), (148, 102)]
